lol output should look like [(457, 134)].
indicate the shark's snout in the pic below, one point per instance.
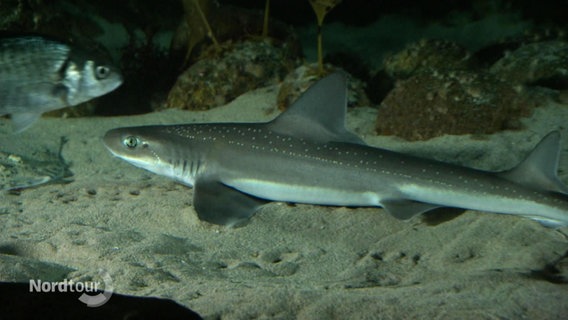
[(112, 140)]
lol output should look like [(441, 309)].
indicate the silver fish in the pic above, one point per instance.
[(39, 75)]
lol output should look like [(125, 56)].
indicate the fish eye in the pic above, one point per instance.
[(130, 142), (102, 72)]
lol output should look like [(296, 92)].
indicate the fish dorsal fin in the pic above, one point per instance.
[(319, 114), (538, 170)]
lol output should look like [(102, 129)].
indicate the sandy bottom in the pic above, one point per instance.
[(290, 261)]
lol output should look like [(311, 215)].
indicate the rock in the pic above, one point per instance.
[(433, 103), (239, 68), (427, 54), (534, 63)]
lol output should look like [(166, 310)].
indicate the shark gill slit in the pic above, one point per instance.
[(197, 166)]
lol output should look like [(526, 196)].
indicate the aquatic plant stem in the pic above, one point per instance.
[(266, 15), (207, 26), (321, 8), (320, 50)]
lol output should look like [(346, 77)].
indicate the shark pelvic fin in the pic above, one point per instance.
[(405, 209), (319, 114), (538, 170), (219, 204)]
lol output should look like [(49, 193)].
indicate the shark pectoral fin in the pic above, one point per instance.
[(216, 203), (406, 209), (538, 170), (22, 121)]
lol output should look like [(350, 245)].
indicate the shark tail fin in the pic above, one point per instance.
[(538, 170)]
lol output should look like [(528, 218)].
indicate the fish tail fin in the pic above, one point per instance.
[(22, 121)]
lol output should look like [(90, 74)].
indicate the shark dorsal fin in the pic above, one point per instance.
[(319, 114), (538, 170)]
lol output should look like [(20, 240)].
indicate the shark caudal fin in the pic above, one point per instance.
[(538, 170)]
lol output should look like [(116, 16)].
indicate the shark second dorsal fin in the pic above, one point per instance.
[(538, 170), (319, 114)]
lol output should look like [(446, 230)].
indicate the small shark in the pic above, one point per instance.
[(306, 155)]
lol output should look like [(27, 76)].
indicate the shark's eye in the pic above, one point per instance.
[(130, 142), (101, 72)]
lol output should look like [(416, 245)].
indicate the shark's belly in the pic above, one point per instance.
[(278, 191), (304, 193)]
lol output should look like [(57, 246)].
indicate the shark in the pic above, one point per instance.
[(306, 155)]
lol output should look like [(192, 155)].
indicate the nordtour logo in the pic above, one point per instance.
[(91, 295)]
